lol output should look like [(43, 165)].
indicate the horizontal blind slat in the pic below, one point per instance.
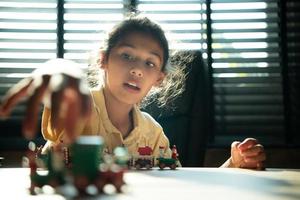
[(85, 19), (248, 109), (249, 99), (247, 70), (244, 90), (27, 38), (175, 17)]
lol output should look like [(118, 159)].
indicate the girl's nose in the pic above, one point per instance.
[(136, 71)]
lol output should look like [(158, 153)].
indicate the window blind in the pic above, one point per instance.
[(27, 38), (183, 21), (246, 71), (28, 35), (85, 25)]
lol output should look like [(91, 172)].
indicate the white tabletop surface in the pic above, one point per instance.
[(181, 184)]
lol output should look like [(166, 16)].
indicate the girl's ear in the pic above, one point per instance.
[(102, 59), (160, 79)]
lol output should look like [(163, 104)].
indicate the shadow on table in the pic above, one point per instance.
[(239, 180)]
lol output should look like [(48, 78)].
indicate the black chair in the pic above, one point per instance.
[(188, 120)]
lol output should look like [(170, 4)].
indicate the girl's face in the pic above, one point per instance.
[(133, 66)]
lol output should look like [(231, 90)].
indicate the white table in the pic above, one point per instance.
[(181, 184)]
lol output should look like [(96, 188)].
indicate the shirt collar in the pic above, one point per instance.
[(109, 127)]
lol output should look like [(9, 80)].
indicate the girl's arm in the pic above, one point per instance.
[(59, 85)]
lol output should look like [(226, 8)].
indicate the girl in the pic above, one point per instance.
[(134, 61)]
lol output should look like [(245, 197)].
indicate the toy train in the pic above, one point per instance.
[(85, 163), (145, 159)]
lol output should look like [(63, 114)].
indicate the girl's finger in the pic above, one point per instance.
[(86, 103), (260, 166), (253, 151), (33, 106), (247, 143), (73, 108), (235, 144), (57, 86), (250, 165), (255, 159), (86, 106), (57, 109), (15, 95)]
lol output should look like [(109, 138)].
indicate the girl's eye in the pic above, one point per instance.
[(150, 64), (126, 56)]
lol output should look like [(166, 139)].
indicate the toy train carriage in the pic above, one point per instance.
[(144, 159), (90, 166), (55, 176), (143, 162), (110, 174), (167, 162), (86, 155)]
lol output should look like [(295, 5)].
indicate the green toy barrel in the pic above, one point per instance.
[(86, 155), (167, 161)]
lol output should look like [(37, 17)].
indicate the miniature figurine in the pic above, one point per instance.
[(174, 152), (55, 175)]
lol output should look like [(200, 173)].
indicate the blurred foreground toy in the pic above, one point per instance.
[(87, 167), (39, 178), (168, 162)]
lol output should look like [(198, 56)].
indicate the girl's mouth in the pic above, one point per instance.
[(132, 86)]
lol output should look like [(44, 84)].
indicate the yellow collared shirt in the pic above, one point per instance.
[(146, 131)]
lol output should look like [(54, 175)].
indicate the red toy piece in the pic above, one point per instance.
[(145, 151), (31, 155)]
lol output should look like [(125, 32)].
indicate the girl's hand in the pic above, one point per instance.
[(248, 154), (59, 85)]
